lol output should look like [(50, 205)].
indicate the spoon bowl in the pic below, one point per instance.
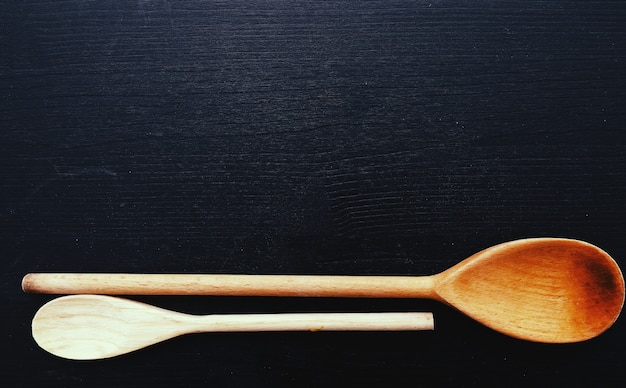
[(544, 290)]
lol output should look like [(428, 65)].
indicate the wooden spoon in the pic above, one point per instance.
[(545, 289), (88, 327)]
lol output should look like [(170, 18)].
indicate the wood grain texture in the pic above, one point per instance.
[(369, 137)]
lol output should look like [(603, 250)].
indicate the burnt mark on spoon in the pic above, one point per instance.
[(600, 290), (603, 277), (599, 274)]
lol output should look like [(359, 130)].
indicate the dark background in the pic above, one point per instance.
[(307, 137)]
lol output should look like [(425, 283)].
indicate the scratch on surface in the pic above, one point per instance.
[(60, 175)]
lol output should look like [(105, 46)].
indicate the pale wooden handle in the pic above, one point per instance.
[(242, 285), (316, 322)]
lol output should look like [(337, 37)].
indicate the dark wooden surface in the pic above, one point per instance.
[(370, 137)]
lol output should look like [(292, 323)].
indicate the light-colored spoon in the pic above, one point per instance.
[(88, 327), (545, 289)]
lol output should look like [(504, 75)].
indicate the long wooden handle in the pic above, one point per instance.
[(231, 285), (317, 322)]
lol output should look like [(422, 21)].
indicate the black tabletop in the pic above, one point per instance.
[(307, 137)]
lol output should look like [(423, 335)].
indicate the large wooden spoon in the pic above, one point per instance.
[(88, 327), (544, 289)]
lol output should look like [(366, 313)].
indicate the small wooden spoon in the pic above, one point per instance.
[(88, 327), (545, 289)]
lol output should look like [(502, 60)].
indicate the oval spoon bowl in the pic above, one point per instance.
[(544, 290)]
